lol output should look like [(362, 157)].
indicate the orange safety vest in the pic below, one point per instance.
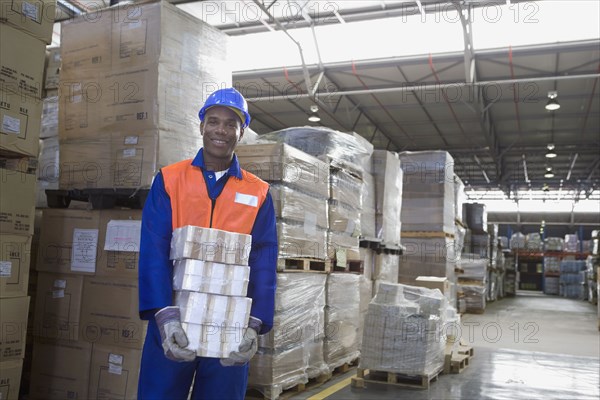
[(234, 210)]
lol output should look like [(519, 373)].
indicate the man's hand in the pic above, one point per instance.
[(172, 334), (248, 346)]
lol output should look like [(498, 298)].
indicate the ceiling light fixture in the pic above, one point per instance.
[(314, 117), (551, 153), (549, 174), (552, 104)]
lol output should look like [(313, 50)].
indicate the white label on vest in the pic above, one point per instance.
[(246, 199)]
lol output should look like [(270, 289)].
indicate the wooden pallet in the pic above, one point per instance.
[(364, 376), (458, 363), (99, 199), (265, 392), (427, 234), (303, 265), (352, 266)]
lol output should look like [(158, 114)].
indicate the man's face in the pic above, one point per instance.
[(221, 130)]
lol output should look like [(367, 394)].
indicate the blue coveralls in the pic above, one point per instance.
[(161, 378)]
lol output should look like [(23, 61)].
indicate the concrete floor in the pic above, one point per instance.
[(531, 346)]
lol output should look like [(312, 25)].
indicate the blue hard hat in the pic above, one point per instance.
[(228, 97)]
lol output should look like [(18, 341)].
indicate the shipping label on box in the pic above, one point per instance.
[(60, 369), (58, 306), (10, 379), (13, 319), (20, 122), (209, 277), (21, 62), (210, 245), (114, 372), (109, 312), (15, 255), (17, 202), (36, 17)]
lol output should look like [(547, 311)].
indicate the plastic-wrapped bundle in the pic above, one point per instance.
[(403, 331), (427, 257), (367, 214), (553, 244), (208, 277), (459, 239), (294, 205), (345, 188), (299, 240), (298, 334), (388, 184), (280, 163), (366, 294), (473, 267), (342, 319), (342, 247), (551, 264), (517, 241), (460, 197), (571, 243), (551, 285), (474, 296), (427, 191), (49, 118), (338, 148), (572, 266), (533, 242), (344, 218), (386, 267)]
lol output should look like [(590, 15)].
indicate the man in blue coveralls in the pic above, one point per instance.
[(210, 191)]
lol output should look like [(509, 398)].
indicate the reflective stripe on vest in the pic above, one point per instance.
[(235, 209)]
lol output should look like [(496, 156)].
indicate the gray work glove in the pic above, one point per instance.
[(172, 334), (247, 348)]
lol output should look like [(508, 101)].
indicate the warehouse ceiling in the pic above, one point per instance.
[(485, 107)]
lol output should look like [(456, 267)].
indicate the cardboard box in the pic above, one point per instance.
[(21, 62), (10, 379), (53, 65), (138, 68), (15, 255), (49, 117), (210, 245), (298, 241), (125, 159), (295, 205), (209, 277), (282, 163), (345, 188), (114, 372), (17, 202), (434, 282), (60, 369), (13, 319), (109, 312), (36, 17), (58, 306), (88, 229), (20, 123)]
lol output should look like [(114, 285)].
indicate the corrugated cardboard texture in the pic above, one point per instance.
[(114, 372), (20, 122), (36, 17), (15, 255), (10, 381), (17, 202), (13, 319)]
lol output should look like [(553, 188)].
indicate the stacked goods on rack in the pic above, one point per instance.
[(428, 217), (551, 272), (592, 263), (571, 243), (292, 352), (299, 187), (510, 275), (210, 282), (472, 281), (573, 279), (414, 314), (130, 92), (25, 30)]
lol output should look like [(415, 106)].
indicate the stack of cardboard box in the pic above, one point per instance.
[(25, 29), (88, 335), (132, 81), (52, 72)]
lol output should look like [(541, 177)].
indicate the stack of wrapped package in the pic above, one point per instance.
[(342, 311), (427, 191), (388, 185), (551, 273), (517, 241), (48, 162), (554, 244), (472, 281), (299, 187), (210, 281), (346, 156), (533, 242), (571, 243), (369, 200), (131, 83), (403, 331), (292, 352), (573, 279), (592, 263)]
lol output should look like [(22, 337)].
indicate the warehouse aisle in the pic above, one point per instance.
[(531, 346)]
